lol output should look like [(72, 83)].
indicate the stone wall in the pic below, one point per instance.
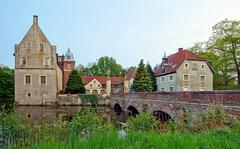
[(75, 100), (220, 97)]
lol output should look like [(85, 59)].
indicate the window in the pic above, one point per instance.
[(186, 88), (27, 79), (162, 89), (29, 94), (23, 61), (95, 92), (194, 67), (90, 85), (68, 66), (171, 78), (163, 79), (202, 88), (46, 61), (41, 47), (202, 66), (186, 77), (171, 88), (29, 46), (98, 85), (186, 65), (202, 78), (43, 80), (59, 59)]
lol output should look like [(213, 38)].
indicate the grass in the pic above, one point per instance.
[(145, 140)]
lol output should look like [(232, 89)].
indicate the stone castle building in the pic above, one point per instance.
[(184, 71), (38, 78)]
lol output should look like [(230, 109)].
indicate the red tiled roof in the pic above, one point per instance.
[(102, 79), (176, 60)]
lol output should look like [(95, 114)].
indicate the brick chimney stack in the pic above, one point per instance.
[(35, 19)]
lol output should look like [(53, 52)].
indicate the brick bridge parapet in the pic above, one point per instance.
[(173, 102)]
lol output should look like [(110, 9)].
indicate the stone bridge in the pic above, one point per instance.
[(166, 105)]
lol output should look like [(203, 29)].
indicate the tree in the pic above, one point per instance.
[(6, 82), (75, 84), (106, 64), (152, 76), (226, 40), (142, 81)]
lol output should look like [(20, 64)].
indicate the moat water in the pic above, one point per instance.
[(35, 115)]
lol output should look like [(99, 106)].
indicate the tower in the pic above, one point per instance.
[(35, 68), (68, 66)]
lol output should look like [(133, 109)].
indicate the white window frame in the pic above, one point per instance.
[(172, 78), (202, 68), (45, 61), (187, 66), (40, 83), (25, 79), (204, 78), (188, 77), (163, 79), (202, 88), (170, 89), (186, 87), (21, 61)]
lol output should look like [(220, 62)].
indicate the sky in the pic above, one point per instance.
[(127, 30)]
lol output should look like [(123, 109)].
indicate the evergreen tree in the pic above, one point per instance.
[(6, 82), (75, 84), (152, 76), (142, 81)]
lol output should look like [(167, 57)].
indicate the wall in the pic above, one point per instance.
[(167, 83), (194, 83)]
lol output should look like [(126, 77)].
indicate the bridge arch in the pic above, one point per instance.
[(132, 111), (117, 109), (162, 116)]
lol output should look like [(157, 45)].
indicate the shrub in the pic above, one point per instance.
[(92, 98), (86, 122), (144, 121)]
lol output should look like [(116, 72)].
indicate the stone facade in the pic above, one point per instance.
[(37, 79)]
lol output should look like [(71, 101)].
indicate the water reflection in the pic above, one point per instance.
[(36, 115)]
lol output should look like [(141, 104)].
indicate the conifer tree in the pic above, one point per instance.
[(142, 81), (75, 84), (152, 76)]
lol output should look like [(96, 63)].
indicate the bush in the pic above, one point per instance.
[(144, 121), (92, 98), (213, 118), (86, 122)]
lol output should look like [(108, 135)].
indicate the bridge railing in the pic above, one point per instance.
[(220, 97)]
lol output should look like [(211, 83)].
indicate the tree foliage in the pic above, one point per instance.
[(103, 67), (6, 83), (75, 84), (225, 40), (152, 76), (142, 81), (222, 51)]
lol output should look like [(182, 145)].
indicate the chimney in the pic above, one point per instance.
[(180, 49), (35, 19)]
